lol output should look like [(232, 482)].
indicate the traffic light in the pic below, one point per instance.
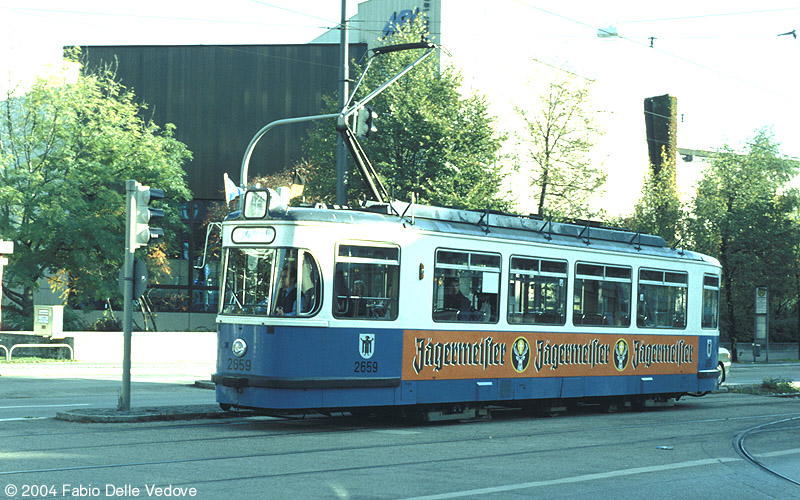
[(365, 121), (142, 215)]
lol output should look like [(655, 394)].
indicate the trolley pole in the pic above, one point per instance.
[(127, 294), (344, 92)]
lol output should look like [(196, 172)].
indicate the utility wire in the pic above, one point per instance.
[(26, 10), (675, 56), (259, 2), (703, 16)]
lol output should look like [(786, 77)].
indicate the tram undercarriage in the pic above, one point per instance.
[(480, 411), (233, 390)]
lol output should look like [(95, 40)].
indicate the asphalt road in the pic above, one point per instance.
[(689, 450), (40, 390)]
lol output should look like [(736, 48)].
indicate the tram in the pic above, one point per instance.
[(441, 312)]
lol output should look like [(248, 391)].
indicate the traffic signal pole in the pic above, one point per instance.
[(133, 278), (127, 294)]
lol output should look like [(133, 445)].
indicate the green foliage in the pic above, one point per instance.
[(743, 214), (557, 142), (778, 385), (431, 140), (106, 323), (659, 210), (66, 150)]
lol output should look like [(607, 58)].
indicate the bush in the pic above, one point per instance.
[(105, 324), (777, 385)]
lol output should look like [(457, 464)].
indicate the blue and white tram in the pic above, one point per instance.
[(447, 311)]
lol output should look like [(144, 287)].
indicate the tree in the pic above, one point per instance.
[(743, 215), (66, 150), (659, 210), (431, 140), (557, 140)]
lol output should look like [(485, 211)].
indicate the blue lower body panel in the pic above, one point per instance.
[(461, 391), (285, 368)]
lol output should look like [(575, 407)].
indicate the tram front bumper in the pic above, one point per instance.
[(230, 381)]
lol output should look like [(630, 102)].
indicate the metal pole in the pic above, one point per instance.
[(266, 128), (344, 90), (127, 273)]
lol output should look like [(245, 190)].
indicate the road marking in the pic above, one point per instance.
[(780, 453), (41, 406), (22, 418), (577, 479), (595, 477)]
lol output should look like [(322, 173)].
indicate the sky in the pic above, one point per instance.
[(726, 61)]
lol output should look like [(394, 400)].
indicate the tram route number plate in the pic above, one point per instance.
[(237, 364)]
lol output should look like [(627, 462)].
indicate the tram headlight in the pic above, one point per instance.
[(239, 348)]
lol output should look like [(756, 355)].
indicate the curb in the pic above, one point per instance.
[(162, 413), (205, 384)]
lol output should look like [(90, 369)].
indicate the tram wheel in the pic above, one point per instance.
[(225, 406)]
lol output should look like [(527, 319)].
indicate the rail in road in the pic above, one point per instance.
[(654, 454)]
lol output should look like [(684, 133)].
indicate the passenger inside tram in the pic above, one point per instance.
[(286, 302), (455, 300)]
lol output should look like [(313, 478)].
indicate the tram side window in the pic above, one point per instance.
[(366, 283), (710, 302), (602, 295), (466, 286), (537, 291), (662, 299), (272, 281)]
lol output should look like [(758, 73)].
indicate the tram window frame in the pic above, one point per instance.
[(533, 282), (662, 299), (710, 310), (601, 280), (262, 279), (467, 273), (362, 291)]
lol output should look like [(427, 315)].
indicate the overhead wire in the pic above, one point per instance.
[(40, 12), (650, 47), (152, 17), (704, 16)]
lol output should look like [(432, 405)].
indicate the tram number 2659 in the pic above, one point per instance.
[(239, 364), (366, 367)]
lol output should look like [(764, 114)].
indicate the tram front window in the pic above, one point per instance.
[(710, 301), (271, 282)]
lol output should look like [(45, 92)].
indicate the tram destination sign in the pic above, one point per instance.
[(438, 355)]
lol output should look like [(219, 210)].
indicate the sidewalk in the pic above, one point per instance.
[(160, 413), (174, 373)]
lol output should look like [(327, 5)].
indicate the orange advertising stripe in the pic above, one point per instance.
[(454, 355)]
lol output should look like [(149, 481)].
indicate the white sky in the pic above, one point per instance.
[(724, 60)]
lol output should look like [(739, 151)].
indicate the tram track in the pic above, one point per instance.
[(215, 456), (262, 425), (741, 449), (427, 443), (684, 438)]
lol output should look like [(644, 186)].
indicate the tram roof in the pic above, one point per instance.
[(493, 224)]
